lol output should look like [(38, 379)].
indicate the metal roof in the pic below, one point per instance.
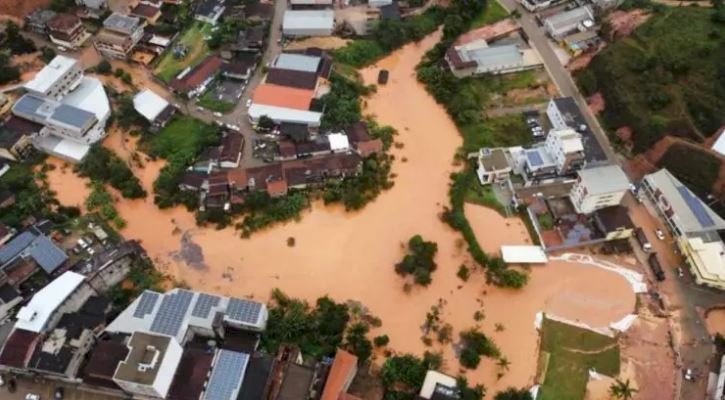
[(496, 57), (308, 19), (51, 73), (172, 312), (48, 256), (48, 111), (149, 104), (13, 248), (121, 23), (28, 104), (691, 213), (72, 116), (34, 316), (227, 375), (571, 17), (297, 62)]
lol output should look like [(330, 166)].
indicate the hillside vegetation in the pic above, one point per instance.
[(667, 78)]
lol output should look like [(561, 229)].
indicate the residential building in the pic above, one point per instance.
[(302, 23), (298, 62), (209, 11), (598, 187), (37, 21), (16, 138), (67, 30), (693, 224), (614, 222), (251, 39), (230, 152), (240, 68), (33, 247), (193, 81), (150, 365), (119, 35), (292, 78), (566, 148), (477, 57), (438, 386), (149, 11), (580, 42), (577, 20), (342, 372), (379, 3), (9, 299), (93, 4), (282, 96), (563, 112), (361, 140), (283, 114), (493, 166), (61, 76), (157, 111)]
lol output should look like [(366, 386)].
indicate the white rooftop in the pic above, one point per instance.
[(571, 140), (338, 142), (34, 316), (297, 62), (282, 114), (90, 96), (50, 74), (709, 258), (433, 379), (719, 145), (149, 104), (523, 254), (604, 179), (308, 19)]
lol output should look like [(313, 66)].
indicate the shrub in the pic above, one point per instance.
[(419, 260), (381, 340)]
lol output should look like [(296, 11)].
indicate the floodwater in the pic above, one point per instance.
[(352, 255), (716, 321)]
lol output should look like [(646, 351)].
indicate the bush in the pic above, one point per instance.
[(419, 260), (357, 342), (463, 273), (105, 166), (8, 72), (381, 341), (104, 67), (402, 374), (474, 345)]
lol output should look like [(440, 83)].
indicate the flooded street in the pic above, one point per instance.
[(351, 255), (716, 321)]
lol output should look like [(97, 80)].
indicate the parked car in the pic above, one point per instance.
[(32, 396), (656, 267), (82, 243), (218, 114), (660, 234), (642, 239), (249, 103), (680, 272)]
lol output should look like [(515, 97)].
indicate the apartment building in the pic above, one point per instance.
[(67, 30), (120, 34), (598, 187), (566, 149)]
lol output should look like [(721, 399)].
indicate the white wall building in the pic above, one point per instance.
[(150, 365), (576, 20), (566, 148), (301, 23), (39, 313), (598, 188), (58, 78)]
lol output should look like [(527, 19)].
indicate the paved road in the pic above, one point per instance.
[(561, 77)]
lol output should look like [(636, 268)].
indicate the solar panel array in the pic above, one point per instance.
[(534, 158), (696, 206), (171, 313), (204, 303), (146, 304), (244, 310), (227, 375)]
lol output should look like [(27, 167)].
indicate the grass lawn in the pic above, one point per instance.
[(484, 196), (182, 138), (210, 103), (572, 353), (193, 38), (493, 12), (504, 131)]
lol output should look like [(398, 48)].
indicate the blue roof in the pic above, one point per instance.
[(28, 104), (72, 115), (47, 254), (227, 375), (697, 207), (13, 248), (534, 158)]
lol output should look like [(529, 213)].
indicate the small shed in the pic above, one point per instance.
[(523, 255)]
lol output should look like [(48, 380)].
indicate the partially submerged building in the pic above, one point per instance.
[(157, 111), (478, 58), (119, 35)]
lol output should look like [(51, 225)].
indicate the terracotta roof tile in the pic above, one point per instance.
[(283, 96)]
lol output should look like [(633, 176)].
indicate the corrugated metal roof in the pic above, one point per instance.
[(15, 246), (72, 116), (491, 58), (35, 315), (297, 62), (47, 254), (308, 19), (604, 179)]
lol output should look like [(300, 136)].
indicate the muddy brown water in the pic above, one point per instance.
[(351, 255)]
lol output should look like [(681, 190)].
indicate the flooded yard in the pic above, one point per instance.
[(351, 255)]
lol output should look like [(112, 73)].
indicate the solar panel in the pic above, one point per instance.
[(72, 115), (534, 158), (171, 313), (696, 206), (227, 375), (204, 303), (244, 310), (146, 304)]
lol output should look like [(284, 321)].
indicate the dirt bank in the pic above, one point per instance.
[(351, 255)]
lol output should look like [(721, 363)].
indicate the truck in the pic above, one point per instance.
[(656, 267), (642, 239)]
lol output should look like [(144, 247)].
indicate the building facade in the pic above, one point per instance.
[(67, 30), (120, 34), (599, 187)]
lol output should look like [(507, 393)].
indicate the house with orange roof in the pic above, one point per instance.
[(283, 96), (342, 372)]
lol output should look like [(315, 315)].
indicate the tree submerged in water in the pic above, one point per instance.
[(419, 260)]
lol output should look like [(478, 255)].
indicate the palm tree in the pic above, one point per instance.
[(503, 363), (622, 390)]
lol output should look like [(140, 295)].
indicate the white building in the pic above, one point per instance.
[(154, 108), (437, 385), (300, 23), (58, 78), (566, 148), (477, 58), (73, 109), (719, 145), (120, 34), (576, 20), (693, 224), (43, 308), (493, 166), (598, 188), (282, 114), (150, 365)]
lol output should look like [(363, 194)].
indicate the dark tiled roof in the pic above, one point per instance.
[(390, 11), (312, 170), (14, 128), (231, 146), (96, 305), (357, 132), (263, 174), (193, 179), (190, 374), (103, 361), (456, 61), (256, 378), (291, 78), (197, 75), (297, 382), (257, 9), (63, 22), (295, 132), (145, 11), (612, 218), (287, 149), (8, 293), (51, 362), (18, 348)]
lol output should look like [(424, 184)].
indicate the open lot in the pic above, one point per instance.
[(493, 12), (568, 353), (223, 96), (197, 49)]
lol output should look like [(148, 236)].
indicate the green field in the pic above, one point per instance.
[(666, 78), (209, 102), (193, 38), (493, 12), (484, 196), (567, 354), (182, 139), (505, 131)]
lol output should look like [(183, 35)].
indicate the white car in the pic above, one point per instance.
[(660, 235), (82, 243), (218, 114), (249, 103), (32, 396)]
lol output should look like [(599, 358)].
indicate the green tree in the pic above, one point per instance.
[(622, 390), (470, 393), (104, 67), (381, 341), (47, 54), (403, 373), (265, 123), (419, 261), (514, 394), (358, 343)]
